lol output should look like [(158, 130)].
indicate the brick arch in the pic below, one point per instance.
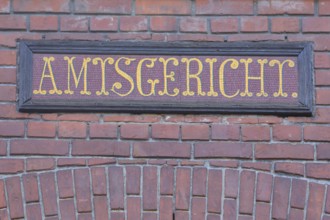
[(149, 191)]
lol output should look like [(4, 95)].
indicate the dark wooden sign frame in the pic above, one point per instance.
[(302, 51)]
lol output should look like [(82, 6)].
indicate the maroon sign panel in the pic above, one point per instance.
[(184, 77)]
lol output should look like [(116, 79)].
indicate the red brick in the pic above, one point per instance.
[(215, 7), (262, 211), (99, 181), (102, 130), (296, 214), (323, 152), (316, 133), (327, 201), (134, 131), (65, 184), (246, 193), (149, 216), (231, 183), (214, 193), (101, 161), (322, 96), (41, 6), (315, 201), (195, 132), (290, 168), (11, 166), (193, 118), (165, 131), (39, 147), (133, 23), (41, 129), (166, 180), (318, 170), (285, 7), (281, 197), (43, 23), (4, 6), (67, 209), (7, 75), (225, 132), (255, 133), (72, 130), (193, 24), (11, 128), (103, 7), (284, 151), (322, 77), (14, 194), (104, 23), (116, 187), (8, 111), (322, 60), (86, 216), (224, 25), (62, 162), (230, 209), (150, 188), (9, 39), (198, 208), (213, 216), (323, 24), (82, 190), (101, 207), (199, 181), (285, 24), (182, 7), (165, 208), (264, 187), (223, 150), (287, 133), (257, 165), (30, 183), (3, 201), (37, 164), (182, 191), (194, 37), (254, 24), (321, 41), (7, 93), (3, 148), (100, 148), (8, 58), (77, 117), (163, 23), (133, 174), (74, 23), (48, 191), (324, 7), (161, 149), (33, 211), (4, 214), (131, 118), (256, 37), (298, 193), (12, 22)]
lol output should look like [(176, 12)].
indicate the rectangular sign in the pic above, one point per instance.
[(266, 78)]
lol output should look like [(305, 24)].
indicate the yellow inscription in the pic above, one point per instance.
[(234, 65), (97, 60), (150, 81), (118, 85), (190, 76), (168, 76), (211, 62), (280, 92)]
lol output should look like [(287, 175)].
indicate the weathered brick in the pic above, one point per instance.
[(284, 151), (3, 148), (323, 24), (223, 150), (161, 149), (133, 174), (101, 207), (12, 22), (165, 208), (285, 24), (163, 23), (322, 60), (43, 23), (65, 184), (102, 130), (231, 183), (195, 132), (41, 6), (163, 7), (199, 181), (215, 191), (194, 37), (224, 25), (66, 162), (315, 201), (134, 131), (316, 133), (76, 117), (182, 191), (67, 209), (3, 201), (150, 188), (322, 77), (7, 93), (193, 24), (74, 23), (264, 187), (41, 129), (246, 193), (285, 7), (291, 168), (145, 118), (48, 191), (101, 161), (225, 132), (230, 209), (99, 181), (324, 7), (82, 190), (8, 111), (322, 96), (298, 193), (14, 194), (30, 185), (4, 214), (265, 166), (8, 57), (87, 216), (116, 187), (166, 180), (72, 130), (318, 170), (165, 131), (130, 23), (323, 152), (9, 39), (37, 164), (254, 24), (327, 201), (4, 6), (39, 147), (296, 214), (255, 133), (11, 128), (11, 166), (149, 216), (198, 208), (262, 211), (287, 133), (281, 194), (103, 7), (215, 7), (255, 37), (7, 75), (100, 148), (33, 211), (104, 23)]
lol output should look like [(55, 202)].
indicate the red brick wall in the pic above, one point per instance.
[(92, 166)]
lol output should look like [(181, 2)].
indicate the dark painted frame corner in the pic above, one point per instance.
[(302, 50)]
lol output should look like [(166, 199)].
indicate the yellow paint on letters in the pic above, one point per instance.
[(189, 76), (280, 75), (118, 85), (168, 76), (102, 62), (150, 81), (234, 65), (211, 62)]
